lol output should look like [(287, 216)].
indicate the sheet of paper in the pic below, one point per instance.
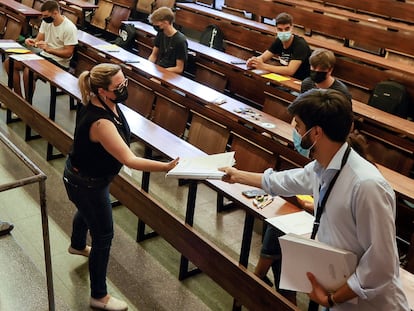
[(331, 266), (205, 167), (300, 223), (10, 45), (22, 57), (17, 50), (108, 47)]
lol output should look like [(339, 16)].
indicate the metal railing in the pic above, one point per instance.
[(38, 177)]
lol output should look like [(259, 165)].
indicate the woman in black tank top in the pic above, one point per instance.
[(100, 149)]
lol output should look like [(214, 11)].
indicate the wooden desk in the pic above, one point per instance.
[(85, 6), (219, 266), (171, 146), (25, 12), (58, 79)]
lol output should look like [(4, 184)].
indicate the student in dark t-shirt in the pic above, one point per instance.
[(170, 45), (291, 50), (322, 63)]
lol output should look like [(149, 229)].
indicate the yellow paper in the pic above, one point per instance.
[(276, 77), (305, 197), (18, 51)]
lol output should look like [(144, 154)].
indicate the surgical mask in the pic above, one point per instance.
[(121, 95), (318, 76), (298, 143), (48, 19), (157, 28), (284, 35)]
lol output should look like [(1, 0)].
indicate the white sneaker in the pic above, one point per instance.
[(113, 304)]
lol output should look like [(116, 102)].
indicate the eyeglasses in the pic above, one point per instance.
[(121, 86)]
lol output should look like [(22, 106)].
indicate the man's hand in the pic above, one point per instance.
[(231, 173), (42, 45), (318, 293), (30, 42)]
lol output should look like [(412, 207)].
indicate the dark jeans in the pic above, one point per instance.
[(91, 197), (271, 249)]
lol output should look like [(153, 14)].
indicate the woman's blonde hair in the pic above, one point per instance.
[(99, 76)]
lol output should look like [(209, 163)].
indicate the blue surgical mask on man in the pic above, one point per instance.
[(284, 35), (297, 142)]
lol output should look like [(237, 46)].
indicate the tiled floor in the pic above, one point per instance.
[(144, 274)]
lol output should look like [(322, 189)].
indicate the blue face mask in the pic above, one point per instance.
[(297, 142), (284, 35)]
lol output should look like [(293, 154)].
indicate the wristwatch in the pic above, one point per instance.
[(331, 301)]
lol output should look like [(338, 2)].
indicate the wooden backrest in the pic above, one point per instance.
[(141, 98), (389, 156), (397, 10), (250, 156), (71, 14), (102, 12), (210, 77), (3, 22), (207, 135), (161, 3), (119, 14), (13, 28), (84, 62), (145, 6), (277, 106), (170, 115), (29, 3)]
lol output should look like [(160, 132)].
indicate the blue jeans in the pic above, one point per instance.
[(91, 197)]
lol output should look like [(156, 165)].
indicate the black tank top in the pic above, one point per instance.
[(90, 158)]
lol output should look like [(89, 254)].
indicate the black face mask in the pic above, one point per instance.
[(121, 95), (48, 19), (318, 76), (157, 28)]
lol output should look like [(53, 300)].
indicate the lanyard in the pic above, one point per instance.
[(321, 205)]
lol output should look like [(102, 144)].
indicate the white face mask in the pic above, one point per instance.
[(284, 35)]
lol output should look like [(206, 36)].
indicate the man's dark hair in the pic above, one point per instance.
[(329, 109), (49, 6), (284, 19)]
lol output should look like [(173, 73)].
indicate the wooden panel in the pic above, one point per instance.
[(29, 3), (211, 78), (250, 156), (140, 98), (277, 106), (102, 12), (208, 135), (170, 115), (118, 15), (13, 28)]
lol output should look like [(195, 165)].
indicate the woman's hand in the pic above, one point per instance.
[(172, 164)]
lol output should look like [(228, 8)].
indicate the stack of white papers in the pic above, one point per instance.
[(205, 167), (23, 57), (331, 266), (300, 223)]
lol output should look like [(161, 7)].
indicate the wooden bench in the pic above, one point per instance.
[(228, 273), (388, 127), (246, 37), (109, 15), (21, 12), (395, 10)]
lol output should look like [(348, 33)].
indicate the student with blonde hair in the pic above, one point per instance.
[(170, 45), (100, 149)]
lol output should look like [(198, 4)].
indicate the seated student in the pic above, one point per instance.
[(291, 50), (170, 45), (322, 63), (57, 39)]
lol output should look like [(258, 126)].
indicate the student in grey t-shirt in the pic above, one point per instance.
[(322, 63)]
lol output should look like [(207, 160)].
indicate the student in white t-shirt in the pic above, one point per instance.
[(57, 39)]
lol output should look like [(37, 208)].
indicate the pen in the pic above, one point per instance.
[(238, 63)]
